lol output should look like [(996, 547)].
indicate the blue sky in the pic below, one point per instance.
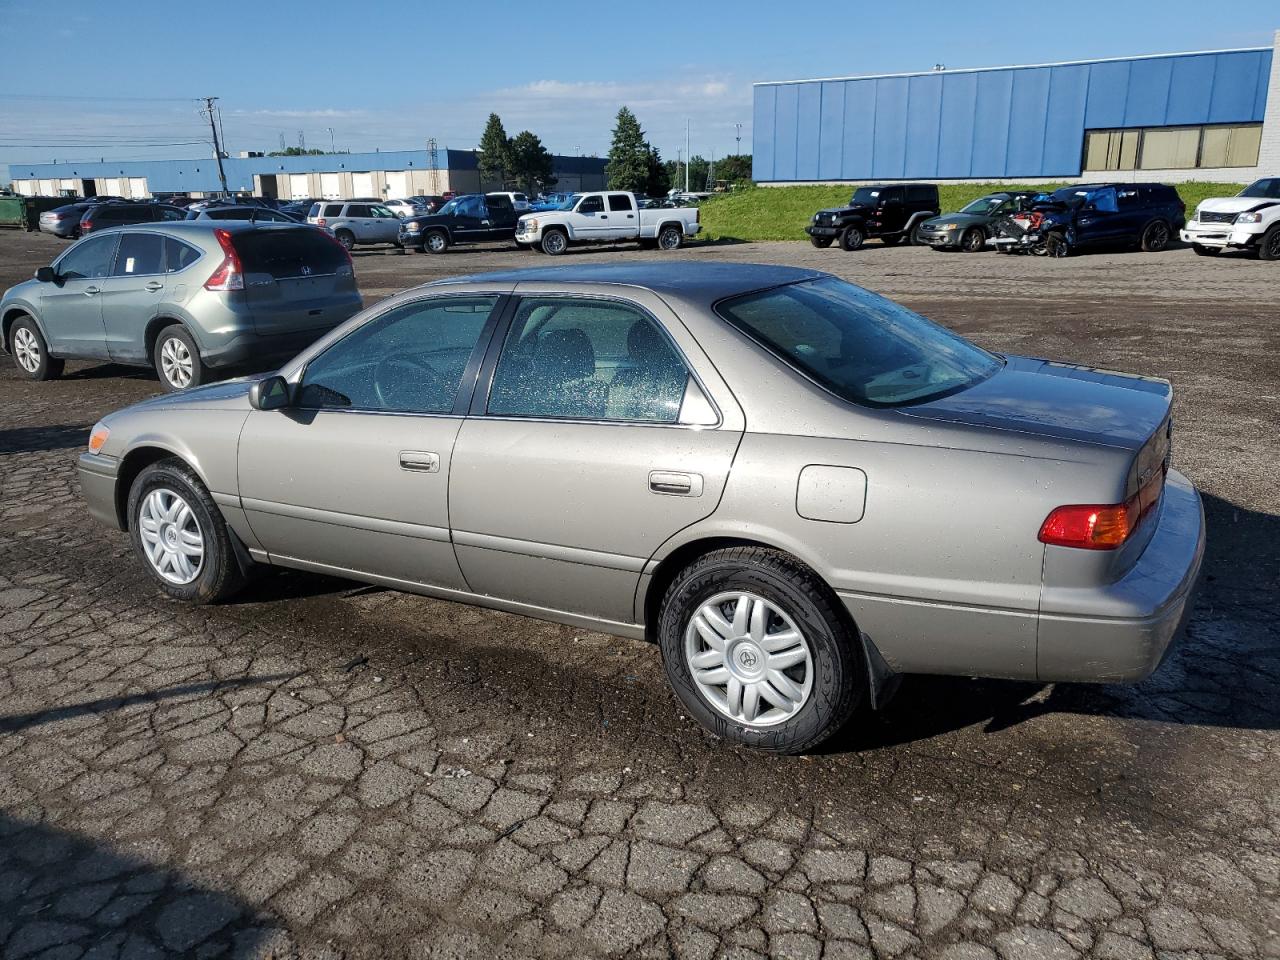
[(391, 73)]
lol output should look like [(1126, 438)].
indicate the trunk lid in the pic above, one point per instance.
[(1060, 401), (295, 278)]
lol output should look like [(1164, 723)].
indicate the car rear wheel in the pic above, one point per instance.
[(31, 353), (756, 648), (822, 242), (851, 239), (1202, 251), (437, 241), (1156, 237), (973, 240), (177, 359), (346, 238), (180, 536), (554, 242), (670, 237), (1269, 245)]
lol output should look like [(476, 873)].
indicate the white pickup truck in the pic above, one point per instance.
[(1248, 221), (610, 216)]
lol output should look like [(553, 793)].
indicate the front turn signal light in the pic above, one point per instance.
[(97, 437)]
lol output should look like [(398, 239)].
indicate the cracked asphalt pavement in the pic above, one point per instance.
[(327, 770)]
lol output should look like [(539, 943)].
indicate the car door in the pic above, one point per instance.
[(359, 220), (467, 216), (591, 442), (384, 226), (892, 213), (70, 307), (1099, 220), (353, 476), (131, 296), (623, 221), (590, 219), (499, 217)]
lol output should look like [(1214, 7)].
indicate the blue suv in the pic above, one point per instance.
[(1145, 216)]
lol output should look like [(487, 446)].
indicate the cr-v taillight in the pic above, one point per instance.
[(228, 276), (1093, 526)]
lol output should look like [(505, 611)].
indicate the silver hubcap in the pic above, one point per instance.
[(435, 241), (175, 362), (26, 350), (554, 242), (748, 659), (668, 240), (171, 536)]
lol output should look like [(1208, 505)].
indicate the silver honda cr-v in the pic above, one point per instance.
[(186, 297)]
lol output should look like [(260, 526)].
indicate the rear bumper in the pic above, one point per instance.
[(98, 487), (252, 350), (1122, 632)]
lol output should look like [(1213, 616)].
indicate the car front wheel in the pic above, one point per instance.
[(554, 242), (436, 242), (973, 240), (822, 242), (756, 648), (177, 359), (1269, 245), (31, 353), (851, 239)]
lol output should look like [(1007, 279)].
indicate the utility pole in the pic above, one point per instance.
[(217, 143), (687, 155), (331, 150), (738, 137)]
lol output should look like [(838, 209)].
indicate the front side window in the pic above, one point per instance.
[(591, 205), (580, 359), (139, 254), (860, 346), (383, 213), (89, 259), (1268, 189), (408, 360), (469, 207)]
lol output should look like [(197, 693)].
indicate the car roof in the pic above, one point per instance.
[(706, 282), (205, 226)]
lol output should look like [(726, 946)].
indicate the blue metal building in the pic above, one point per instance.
[(1190, 112)]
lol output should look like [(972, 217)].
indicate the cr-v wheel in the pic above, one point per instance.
[(177, 359), (180, 536), (758, 651), (31, 353)]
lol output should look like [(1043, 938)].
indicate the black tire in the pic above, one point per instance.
[(1269, 245), (1055, 245), (1156, 236), (838, 680), (1202, 251), (346, 238), (31, 353), (892, 239), (177, 359), (219, 575), (554, 242), (973, 240), (851, 238), (822, 242), (670, 237), (437, 241)]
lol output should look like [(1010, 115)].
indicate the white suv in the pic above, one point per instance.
[(1248, 221)]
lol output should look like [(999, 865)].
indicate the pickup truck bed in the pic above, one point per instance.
[(611, 216)]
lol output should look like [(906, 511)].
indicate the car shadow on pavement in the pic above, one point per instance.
[(1224, 672), (63, 894), (37, 439), (111, 371), (19, 722)]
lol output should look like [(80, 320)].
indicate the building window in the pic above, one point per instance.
[(1173, 148)]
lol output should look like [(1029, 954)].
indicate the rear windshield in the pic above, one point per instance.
[(289, 253), (860, 346)]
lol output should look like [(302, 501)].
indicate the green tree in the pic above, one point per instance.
[(628, 166), (297, 152), (736, 168), (494, 152), (658, 181), (530, 163), (698, 167)]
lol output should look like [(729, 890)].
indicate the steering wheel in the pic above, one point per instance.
[(393, 374)]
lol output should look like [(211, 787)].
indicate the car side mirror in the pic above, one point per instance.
[(270, 394), (46, 275)]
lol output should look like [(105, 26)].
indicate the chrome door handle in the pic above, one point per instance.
[(90, 291), (675, 484), (153, 286), (419, 461)]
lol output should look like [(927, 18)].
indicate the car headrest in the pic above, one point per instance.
[(566, 355), (645, 343)]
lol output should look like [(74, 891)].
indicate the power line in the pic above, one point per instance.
[(71, 98)]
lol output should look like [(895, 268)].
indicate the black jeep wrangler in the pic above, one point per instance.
[(891, 212)]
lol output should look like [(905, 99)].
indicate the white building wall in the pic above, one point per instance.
[(1269, 153)]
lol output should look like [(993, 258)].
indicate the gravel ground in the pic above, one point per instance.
[(326, 770)]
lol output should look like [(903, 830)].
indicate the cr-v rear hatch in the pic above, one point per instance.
[(295, 278)]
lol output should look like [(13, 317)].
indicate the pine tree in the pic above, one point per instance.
[(628, 166), (495, 152), (658, 181), (530, 163)]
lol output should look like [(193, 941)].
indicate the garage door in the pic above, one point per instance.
[(330, 187), (27, 187), (70, 188), (362, 185), (138, 187), (397, 185), (115, 187), (48, 188), (299, 186)]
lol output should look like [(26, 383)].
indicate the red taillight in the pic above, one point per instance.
[(86, 226), (1092, 526), (228, 276)]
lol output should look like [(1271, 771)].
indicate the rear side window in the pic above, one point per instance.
[(289, 253), (333, 210), (920, 194), (139, 253), (359, 210), (178, 255), (620, 201)]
